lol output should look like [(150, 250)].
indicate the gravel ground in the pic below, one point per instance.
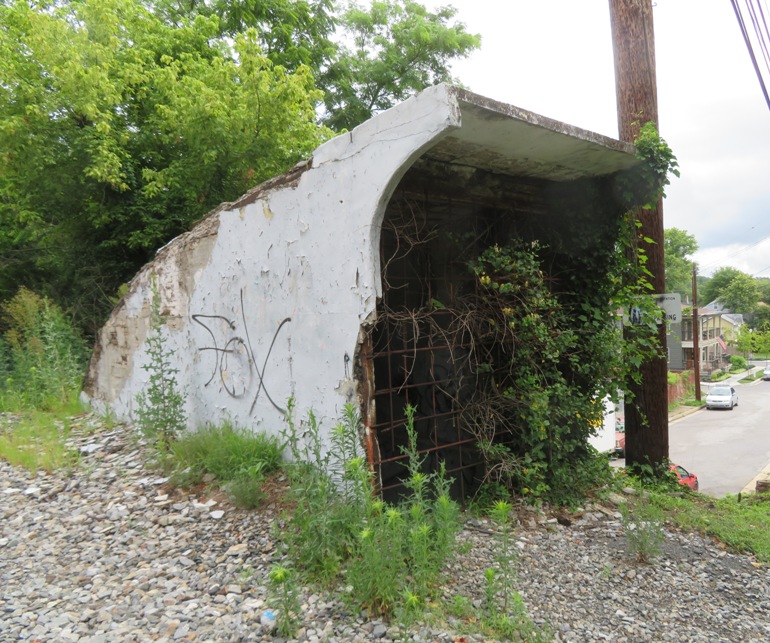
[(110, 554)]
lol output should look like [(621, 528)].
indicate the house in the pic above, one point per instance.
[(712, 345), (330, 284)]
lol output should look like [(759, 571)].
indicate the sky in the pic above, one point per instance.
[(555, 58)]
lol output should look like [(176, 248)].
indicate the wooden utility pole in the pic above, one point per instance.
[(695, 332), (646, 414)]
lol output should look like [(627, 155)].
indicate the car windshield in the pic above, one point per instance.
[(719, 391)]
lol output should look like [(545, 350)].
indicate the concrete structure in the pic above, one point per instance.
[(276, 295)]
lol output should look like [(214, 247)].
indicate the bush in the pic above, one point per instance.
[(738, 363), (42, 356)]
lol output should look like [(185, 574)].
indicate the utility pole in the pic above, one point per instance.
[(637, 100), (695, 332)]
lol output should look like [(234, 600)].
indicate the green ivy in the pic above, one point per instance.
[(550, 347)]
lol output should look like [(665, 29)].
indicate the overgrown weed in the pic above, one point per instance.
[(42, 356), (392, 555), (160, 407)]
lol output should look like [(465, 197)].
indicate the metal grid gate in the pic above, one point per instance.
[(414, 355)]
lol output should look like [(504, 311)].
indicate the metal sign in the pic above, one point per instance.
[(671, 303)]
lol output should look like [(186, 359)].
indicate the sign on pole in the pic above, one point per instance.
[(671, 303)]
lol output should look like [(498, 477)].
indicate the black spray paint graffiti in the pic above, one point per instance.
[(235, 362)]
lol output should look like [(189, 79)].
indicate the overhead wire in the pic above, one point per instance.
[(735, 253), (758, 21)]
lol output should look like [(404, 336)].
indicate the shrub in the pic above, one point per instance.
[(42, 356), (738, 363)]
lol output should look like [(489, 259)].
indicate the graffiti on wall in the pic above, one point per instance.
[(235, 364)]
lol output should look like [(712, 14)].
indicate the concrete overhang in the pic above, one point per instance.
[(504, 139)]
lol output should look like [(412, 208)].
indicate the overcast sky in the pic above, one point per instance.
[(555, 58)]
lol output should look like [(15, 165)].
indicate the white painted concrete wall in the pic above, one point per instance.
[(283, 280)]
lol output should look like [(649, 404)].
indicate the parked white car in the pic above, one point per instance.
[(722, 397), (766, 374)]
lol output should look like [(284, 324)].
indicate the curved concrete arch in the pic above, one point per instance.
[(266, 297)]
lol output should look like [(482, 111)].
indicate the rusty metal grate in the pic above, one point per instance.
[(416, 353), (415, 361)]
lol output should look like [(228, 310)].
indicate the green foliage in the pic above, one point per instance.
[(660, 162), (741, 295), (37, 442), (741, 522), (744, 341), (504, 613), (763, 284), (488, 495), (42, 356), (292, 33), (760, 318), (238, 459), (678, 246), (322, 526), (392, 555), (397, 48), (735, 290), (123, 122), (738, 363), (547, 361), (643, 527), (160, 407), (119, 130), (284, 593)]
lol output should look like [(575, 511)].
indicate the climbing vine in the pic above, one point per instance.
[(552, 349)]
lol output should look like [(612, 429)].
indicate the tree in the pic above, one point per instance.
[(124, 121), (292, 33), (392, 50), (712, 288), (365, 60), (678, 245), (735, 290), (741, 294), (763, 283), (118, 131), (744, 340), (760, 318)]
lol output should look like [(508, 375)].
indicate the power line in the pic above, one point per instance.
[(737, 252), (761, 34)]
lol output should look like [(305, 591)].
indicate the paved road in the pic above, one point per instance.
[(726, 449)]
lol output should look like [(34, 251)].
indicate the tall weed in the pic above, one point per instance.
[(392, 555), (42, 355), (505, 614), (160, 412)]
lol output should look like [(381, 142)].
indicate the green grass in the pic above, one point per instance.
[(37, 441), (743, 526), (239, 460)]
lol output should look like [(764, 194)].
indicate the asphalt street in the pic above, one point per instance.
[(728, 450)]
